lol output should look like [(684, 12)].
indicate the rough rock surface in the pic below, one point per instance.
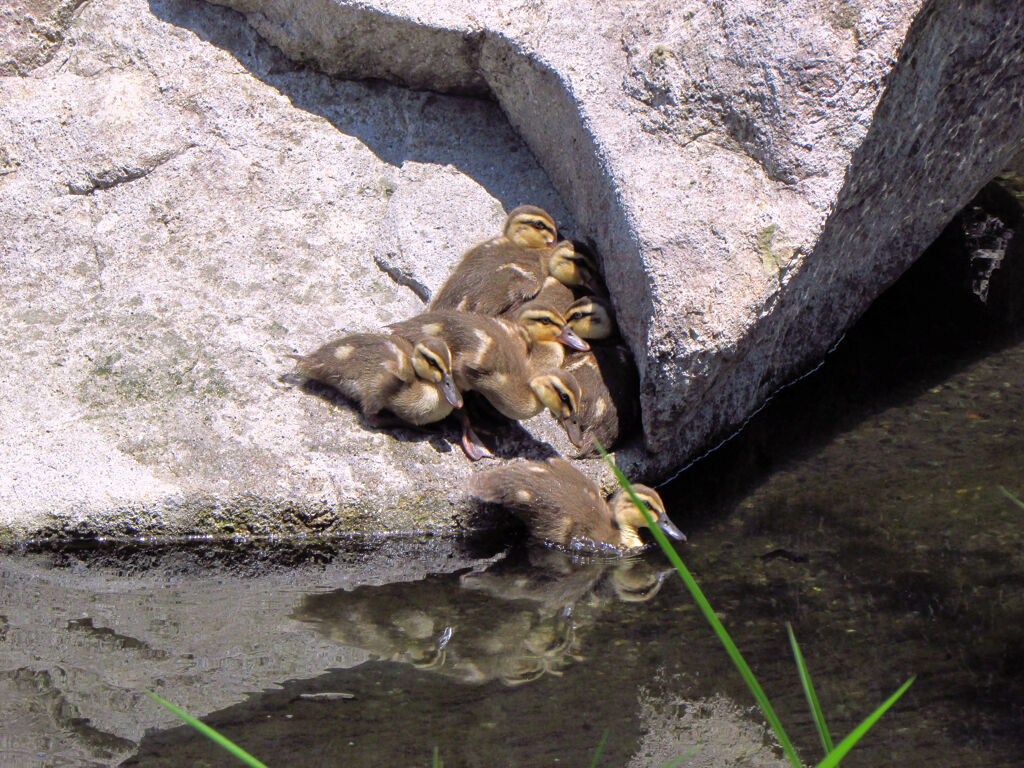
[(182, 207), (754, 178), (184, 204), (31, 32)]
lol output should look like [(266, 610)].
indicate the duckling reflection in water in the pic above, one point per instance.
[(522, 618), (561, 505)]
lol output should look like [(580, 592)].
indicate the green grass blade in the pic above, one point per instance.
[(681, 759), (812, 697), (832, 758), (600, 749), (437, 759), (709, 614), (1011, 497), (211, 734)]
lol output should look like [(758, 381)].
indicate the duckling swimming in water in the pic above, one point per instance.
[(559, 504), (388, 372)]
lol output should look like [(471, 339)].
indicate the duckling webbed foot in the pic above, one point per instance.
[(472, 445)]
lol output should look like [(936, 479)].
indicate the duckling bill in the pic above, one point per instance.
[(561, 505)]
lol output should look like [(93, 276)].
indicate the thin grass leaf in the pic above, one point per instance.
[(709, 614), (437, 759), (812, 697), (1011, 497), (832, 758), (599, 750), (681, 759), (211, 734)]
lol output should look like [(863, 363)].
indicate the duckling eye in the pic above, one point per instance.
[(564, 397), (576, 316)]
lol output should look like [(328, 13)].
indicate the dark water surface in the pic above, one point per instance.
[(864, 506)]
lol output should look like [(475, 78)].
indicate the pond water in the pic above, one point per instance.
[(865, 505)]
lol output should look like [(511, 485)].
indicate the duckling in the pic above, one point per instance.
[(590, 317), (606, 374), (528, 227), (380, 371), (611, 406), (495, 280), (559, 504), (489, 356), (546, 334)]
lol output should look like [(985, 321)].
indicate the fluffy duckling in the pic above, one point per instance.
[(495, 280), (606, 374), (590, 317), (559, 504), (611, 406), (386, 372), (547, 335), (489, 356), (528, 226)]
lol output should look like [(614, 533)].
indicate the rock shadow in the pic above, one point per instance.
[(506, 439), (397, 124)]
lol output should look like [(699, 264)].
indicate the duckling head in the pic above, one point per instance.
[(629, 518), (542, 322), (560, 393), (591, 318), (530, 227), (570, 265), (432, 361)]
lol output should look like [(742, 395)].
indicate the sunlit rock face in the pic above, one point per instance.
[(754, 175), (182, 207), (189, 194)]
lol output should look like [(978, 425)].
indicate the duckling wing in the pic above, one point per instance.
[(556, 295), (514, 284), (491, 279)]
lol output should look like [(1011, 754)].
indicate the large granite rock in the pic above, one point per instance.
[(184, 205), (754, 175), (182, 208)]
